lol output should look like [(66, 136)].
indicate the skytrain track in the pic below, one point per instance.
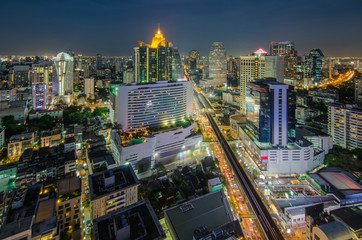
[(261, 212)]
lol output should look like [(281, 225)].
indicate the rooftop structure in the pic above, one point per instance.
[(137, 221), (211, 211)]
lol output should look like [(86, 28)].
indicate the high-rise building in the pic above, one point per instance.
[(256, 67), (177, 69), (128, 76), (42, 75), (344, 125), (287, 50), (266, 132), (194, 59), (139, 106), (218, 64), (233, 71), (153, 62), (64, 65), (20, 76), (89, 87), (99, 61), (316, 63), (267, 112)]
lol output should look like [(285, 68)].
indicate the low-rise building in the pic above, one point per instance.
[(57, 114), (200, 217), (19, 143), (112, 189), (137, 221), (69, 203)]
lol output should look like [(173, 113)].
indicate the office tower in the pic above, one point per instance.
[(274, 68), (194, 59), (358, 88), (89, 87), (153, 62), (177, 69), (233, 71), (99, 61), (316, 63), (20, 76), (139, 106), (344, 125), (256, 67), (218, 64), (42, 84), (287, 50), (267, 112), (64, 66)]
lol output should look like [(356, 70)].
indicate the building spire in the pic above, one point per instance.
[(158, 29)]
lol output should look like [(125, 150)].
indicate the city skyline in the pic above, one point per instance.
[(92, 27)]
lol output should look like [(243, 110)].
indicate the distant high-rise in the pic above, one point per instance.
[(194, 59), (218, 64), (20, 76), (316, 60), (267, 111), (256, 67), (42, 75), (99, 61), (287, 50), (64, 65), (89, 87), (153, 62), (177, 69)]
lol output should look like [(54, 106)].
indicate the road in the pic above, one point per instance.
[(261, 212)]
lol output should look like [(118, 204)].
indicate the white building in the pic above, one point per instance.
[(142, 154), (151, 105), (128, 76), (345, 125), (64, 66)]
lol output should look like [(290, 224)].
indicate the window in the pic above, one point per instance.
[(67, 205)]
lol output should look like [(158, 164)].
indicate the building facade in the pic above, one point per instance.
[(345, 125), (218, 64), (141, 106), (64, 66)]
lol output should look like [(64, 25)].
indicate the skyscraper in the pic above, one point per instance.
[(194, 59), (256, 67), (218, 64), (42, 75), (64, 65), (89, 87), (316, 60), (153, 62), (267, 111), (20, 76), (287, 50)]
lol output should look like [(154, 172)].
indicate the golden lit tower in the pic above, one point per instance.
[(153, 62)]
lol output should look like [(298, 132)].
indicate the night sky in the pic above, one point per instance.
[(113, 27)]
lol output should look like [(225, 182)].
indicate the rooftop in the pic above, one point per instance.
[(137, 221), (113, 180), (45, 210), (304, 201), (211, 210), (336, 230), (351, 216), (68, 185)]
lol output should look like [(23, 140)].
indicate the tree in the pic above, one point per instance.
[(100, 111), (11, 126), (87, 112)]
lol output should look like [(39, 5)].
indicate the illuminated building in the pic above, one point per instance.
[(258, 66), (89, 87), (317, 58), (42, 84), (64, 65), (344, 125), (20, 76), (177, 69), (287, 50), (266, 132), (153, 62), (218, 64), (139, 106), (194, 59), (112, 189)]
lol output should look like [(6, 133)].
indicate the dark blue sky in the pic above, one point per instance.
[(113, 27)]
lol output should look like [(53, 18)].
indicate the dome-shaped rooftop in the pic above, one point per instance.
[(63, 56)]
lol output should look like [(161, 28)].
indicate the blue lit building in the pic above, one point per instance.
[(267, 111), (316, 60)]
